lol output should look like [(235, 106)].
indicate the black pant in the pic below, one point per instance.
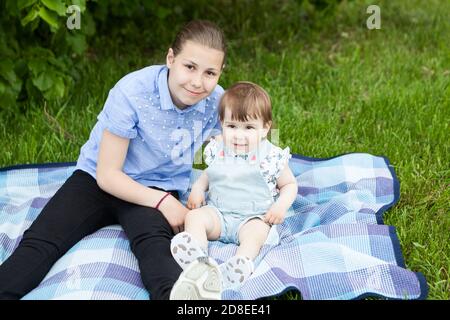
[(78, 209)]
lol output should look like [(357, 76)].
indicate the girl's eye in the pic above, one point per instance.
[(211, 74), (231, 126), (250, 127), (190, 67)]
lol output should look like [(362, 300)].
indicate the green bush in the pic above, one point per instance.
[(42, 50), (35, 50)]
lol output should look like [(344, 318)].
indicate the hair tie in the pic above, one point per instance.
[(167, 194)]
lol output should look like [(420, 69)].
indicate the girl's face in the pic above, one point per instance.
[(243, 136), (194, 73)]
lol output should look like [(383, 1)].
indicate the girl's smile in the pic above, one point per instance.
[(195, 94)]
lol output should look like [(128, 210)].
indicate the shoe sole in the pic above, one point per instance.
[(200, 281), (185, 249)]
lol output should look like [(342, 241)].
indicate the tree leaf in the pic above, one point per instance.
[(7, 70), (8, 93), (44, 81), (32, 14), (55, 5), (50, 18), (36, 67), (22, 4), (7, 97), (57, 90)]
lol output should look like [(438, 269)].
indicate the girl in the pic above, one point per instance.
[(250, 188), (138, 156)]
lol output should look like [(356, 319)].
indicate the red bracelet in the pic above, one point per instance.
[(167, 194)]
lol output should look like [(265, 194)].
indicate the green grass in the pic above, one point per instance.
[(337, 88)]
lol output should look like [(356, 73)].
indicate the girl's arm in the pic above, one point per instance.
[(112, 179)]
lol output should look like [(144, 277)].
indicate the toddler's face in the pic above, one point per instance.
[(242, 136), (194, 73)]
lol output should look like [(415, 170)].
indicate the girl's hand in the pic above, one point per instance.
[(196, 198), (175, 213), (276, 214)]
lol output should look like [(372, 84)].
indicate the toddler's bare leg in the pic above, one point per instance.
[(239, 268), (204, 224), (252, 236)]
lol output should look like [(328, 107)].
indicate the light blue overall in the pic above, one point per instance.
[(237, 190)]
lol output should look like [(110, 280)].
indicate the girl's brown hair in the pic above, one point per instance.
[(246, 101), (202, 32)]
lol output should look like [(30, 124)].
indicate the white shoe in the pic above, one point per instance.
[(235, 271), (201, 280), (185, 249)]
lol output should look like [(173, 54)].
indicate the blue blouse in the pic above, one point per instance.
[(163, 138)]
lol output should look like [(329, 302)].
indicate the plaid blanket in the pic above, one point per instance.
[(332, 245)]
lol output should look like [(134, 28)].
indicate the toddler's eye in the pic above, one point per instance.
[(189, 66), (250, 127), (232, 126), (211, 74)]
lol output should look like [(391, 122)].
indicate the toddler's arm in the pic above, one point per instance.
[(287, 184), (197, 196)]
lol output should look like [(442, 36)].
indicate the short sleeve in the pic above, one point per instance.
[(281, 158), (118, 114), (210, 151), (217, 128), (272, 166)]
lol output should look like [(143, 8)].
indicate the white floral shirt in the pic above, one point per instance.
[(270, 166)]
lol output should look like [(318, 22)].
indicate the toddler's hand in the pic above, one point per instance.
[(276, 214), (196, 198)]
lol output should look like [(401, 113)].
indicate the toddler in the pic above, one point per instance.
[(249, 188)]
